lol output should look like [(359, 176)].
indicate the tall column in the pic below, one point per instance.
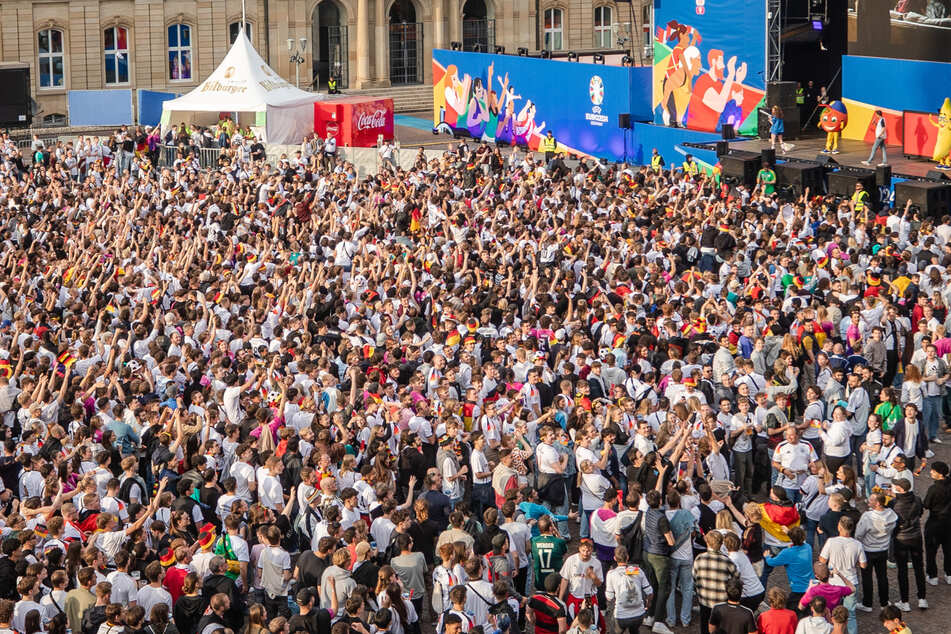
[(381, 44), (363, 43), (455, 21), (439, 25)]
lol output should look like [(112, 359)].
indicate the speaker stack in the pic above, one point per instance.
[(842, 183), (931, 197), (741, 166), (782, 94), (799, 176)]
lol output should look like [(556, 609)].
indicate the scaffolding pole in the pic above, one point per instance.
[(774, 42)]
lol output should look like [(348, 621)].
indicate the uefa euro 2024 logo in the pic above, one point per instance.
[(596, 94), (596, 90)]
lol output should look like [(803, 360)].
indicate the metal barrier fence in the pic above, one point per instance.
[(207, 156)]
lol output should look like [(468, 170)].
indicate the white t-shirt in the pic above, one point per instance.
[(574, 570), (846, 555), (617, 586), (795, 457), (270, 492), (232, 406), (751, 582), (548, 458), (243, 474), (149, 596), (124, 588)]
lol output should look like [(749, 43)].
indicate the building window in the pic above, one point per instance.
[(235, 27), (602, 27), (554, 29), (179, 52), (50, 48), (117, 55)]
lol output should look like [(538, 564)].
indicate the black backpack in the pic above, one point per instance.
[(632, 538), (92, 618)]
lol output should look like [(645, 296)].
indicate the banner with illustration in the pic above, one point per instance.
[(517, 100), (709, 63)]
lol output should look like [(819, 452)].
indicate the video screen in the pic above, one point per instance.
[(900, 29)]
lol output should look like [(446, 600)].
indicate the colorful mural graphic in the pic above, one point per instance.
[(708, 64), (511, 100)]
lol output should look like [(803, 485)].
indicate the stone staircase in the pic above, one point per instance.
[(415, 98)]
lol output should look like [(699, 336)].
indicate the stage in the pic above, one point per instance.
[(851, 154)]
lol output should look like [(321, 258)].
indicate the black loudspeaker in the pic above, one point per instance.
[(722, 148), (883, 175), (800, 176), (728, 132), (782, 94), (624, 120), (842, 183), (768, 155), (825, 160), (15, 108), (741, 167), (937, 175), (933, 199)]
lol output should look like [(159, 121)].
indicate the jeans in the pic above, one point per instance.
[(810, 527), (931, 409), (877, 563), (767, 569), (879, 143), (585, 519), (937, 537), (857, 440), (793, 494), (904, 552), (743, 471), (852, 627), (482, 497), (660, 568), (681, 578), (708, 262)]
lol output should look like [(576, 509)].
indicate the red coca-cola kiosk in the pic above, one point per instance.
[(354, 121)]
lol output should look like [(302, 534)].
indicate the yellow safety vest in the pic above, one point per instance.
[(691, 168), (800, 96), (549, 144), (331, 84), (860, 199), (655, 162)]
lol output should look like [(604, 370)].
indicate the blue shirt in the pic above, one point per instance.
[(534, 511), (798, 562), (126, 438)]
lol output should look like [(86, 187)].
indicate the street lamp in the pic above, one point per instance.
[(297, 56)]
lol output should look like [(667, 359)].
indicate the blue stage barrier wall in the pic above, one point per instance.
[(100, 107), (896, 84), (580, 103), (150, 105)]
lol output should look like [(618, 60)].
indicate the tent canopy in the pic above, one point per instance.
[(244, 83)]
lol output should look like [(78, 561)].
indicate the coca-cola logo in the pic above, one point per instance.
[(333, 128), (371, 120)]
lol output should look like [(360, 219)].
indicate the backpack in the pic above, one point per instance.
[(630, 596), (92, 618), (126, 490), (632, 538)]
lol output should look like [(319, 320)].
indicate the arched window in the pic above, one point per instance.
[(603, 27), (554, 29), (179, 52), (50, 59), (116, 49), (235, 27)]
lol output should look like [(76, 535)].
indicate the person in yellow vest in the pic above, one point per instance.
[(690, 166), (860, 200), (332, 86), (657, 161), (548, 146)]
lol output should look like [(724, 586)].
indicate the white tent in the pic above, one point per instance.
[(244, 84)]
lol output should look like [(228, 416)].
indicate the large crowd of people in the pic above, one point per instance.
[(482, 394)]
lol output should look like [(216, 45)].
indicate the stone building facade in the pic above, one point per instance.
[(171, 45)]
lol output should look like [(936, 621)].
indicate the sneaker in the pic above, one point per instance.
[(936, 441), (883, 164), (661, 628), (866, 162), (903, 606), (788, 146), (863, 607), (835, 151), (932, 581), (892, 565), (947, 579), (929, 454), (649, 621), (922, 604), (826, 151)]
